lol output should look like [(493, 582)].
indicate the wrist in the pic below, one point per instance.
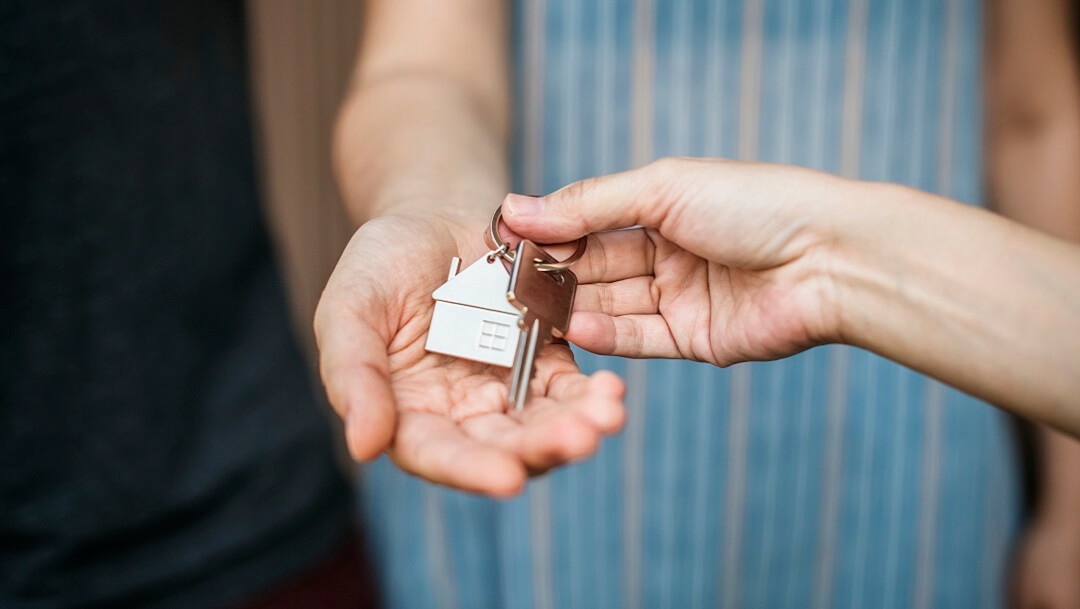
[(866, 222), (416, 147), (460, 205), (839, 264), (463, 218)]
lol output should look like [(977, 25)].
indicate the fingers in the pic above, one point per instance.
[(550, 432), (609, 256), (637, 295), (646, 196), (548, 436), (597, 398), (563, 421), (435, 448), (615, 255), (624, 335), (356, 372), (601, 402)]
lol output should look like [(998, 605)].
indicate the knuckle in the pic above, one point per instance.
[(672, 169), (663, 185), (633, 341), (575, 192), (607, 300), (572, 198), (666, 166), (597, 257), (654, 293)]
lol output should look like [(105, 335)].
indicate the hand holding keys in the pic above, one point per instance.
[(445, 419), (486, 314)]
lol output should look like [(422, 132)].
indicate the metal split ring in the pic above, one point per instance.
[(503, 250)]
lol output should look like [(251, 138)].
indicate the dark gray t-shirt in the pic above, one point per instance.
[(159, 443)]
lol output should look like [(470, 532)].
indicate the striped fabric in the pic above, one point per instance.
[(832, 479)]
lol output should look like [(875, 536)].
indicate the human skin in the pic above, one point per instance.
[(420, 147), (752, 261), (420, 155), (1033, 148)]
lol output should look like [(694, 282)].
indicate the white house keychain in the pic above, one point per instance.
[(504, 318)]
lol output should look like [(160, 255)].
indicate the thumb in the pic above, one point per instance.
[(644, 196)]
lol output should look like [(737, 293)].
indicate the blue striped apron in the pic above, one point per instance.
[(831, 479)]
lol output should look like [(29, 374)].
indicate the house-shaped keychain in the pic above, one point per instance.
[(473, 318)]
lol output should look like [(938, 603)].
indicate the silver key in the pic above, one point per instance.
[(545, 300), (504, 318)]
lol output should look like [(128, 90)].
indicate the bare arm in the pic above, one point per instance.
[(1034, 148), (1034, 158), (420, 155), (426, 122), (746, 261), (984, 304), (1034, 153), (1034, 115)]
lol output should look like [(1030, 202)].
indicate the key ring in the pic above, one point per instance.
[(503, 250)]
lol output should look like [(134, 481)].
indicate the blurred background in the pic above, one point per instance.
[(588, 534), (302, 55)]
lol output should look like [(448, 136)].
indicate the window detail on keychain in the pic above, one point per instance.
[(494, 335)]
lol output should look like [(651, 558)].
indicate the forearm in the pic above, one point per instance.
[(1059, 495), (417, 142), (981, 303), (425, 125), (1033, 118), (1033, 152)]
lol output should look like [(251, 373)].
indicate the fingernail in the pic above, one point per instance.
[(522, 205)]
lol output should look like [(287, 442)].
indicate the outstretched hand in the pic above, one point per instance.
[(441, 418), (724, 267)]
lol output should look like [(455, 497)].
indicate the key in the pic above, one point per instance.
[(487, 314), (545, 300)]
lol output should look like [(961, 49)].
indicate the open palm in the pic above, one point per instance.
[(442, 418)]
